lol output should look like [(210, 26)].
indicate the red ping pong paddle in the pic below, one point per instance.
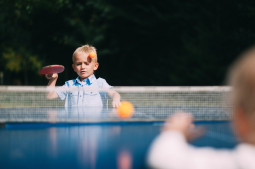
[(51, 69)]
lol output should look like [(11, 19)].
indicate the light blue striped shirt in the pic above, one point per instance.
[(86, 93)]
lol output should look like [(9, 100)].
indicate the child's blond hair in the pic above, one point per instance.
[(85, 49), (242, 80)]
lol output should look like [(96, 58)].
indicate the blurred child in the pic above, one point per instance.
[(171, 150), (85, 89)]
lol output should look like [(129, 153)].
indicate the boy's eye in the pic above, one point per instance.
[(78, 63)]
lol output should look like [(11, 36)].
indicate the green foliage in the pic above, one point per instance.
[(21, 60), (148, 42), (12, 60)]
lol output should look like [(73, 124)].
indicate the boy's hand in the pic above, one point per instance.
[(115, 103), (51, 76), (183, 122), (115, 98), (52, 83)]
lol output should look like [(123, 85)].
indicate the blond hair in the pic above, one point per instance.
[(85, 49), (242, 79)]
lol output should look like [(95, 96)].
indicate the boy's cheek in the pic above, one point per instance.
[(75, 68)]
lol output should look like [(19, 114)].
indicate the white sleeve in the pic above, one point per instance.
[(170, 150), (103, 84), (62, 91)]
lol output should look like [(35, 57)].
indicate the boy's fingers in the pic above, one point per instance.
[(180, 117), (195, 133), (51, 76), (115, 104), (179, 121), (48, 76), (183, 122)]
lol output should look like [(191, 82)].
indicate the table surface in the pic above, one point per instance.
[(92, 145)]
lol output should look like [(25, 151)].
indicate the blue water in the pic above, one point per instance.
[(112, 145)]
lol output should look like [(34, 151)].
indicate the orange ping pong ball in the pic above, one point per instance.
[(125, 110), (92, 55)]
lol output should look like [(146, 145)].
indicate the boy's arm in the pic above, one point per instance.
[(115, 97), (52, 94), (171, 150)]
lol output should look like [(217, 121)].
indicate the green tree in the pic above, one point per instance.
[(21, 60), (148, 42)]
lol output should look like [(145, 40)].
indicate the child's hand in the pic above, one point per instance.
[(183, 122), (115, 98), (115, 103), (51, 76)]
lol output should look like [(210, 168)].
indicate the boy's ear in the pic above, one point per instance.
[(96, 66), (73, 67)]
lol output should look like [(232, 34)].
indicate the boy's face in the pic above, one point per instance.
[(84, 66)]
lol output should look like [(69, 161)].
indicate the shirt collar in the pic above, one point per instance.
[(88, 81)]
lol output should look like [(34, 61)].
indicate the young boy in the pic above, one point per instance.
[(171, 150), (85, 89)]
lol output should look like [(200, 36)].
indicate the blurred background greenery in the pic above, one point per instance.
[(139, 42)]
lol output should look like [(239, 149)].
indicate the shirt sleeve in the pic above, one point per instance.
[(102, 84), (170, 150), (62, 91)]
